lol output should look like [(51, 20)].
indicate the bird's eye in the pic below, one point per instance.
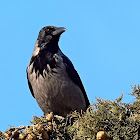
[(48, 30)]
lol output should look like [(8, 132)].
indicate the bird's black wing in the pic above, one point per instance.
[(30, 86), (75, 77)]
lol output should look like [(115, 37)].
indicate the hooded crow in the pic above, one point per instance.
[(52, 78)]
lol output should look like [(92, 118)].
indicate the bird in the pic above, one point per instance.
[(52, 78)]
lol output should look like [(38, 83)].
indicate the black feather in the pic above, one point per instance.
[(40, 62), (30, 86), (75, 77)]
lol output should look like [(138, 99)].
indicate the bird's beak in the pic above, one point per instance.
[(59, 31)]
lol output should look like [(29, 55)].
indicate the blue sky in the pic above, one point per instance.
[(102, 40)]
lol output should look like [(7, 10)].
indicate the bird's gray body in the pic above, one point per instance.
[(56, 92), (54, 89)]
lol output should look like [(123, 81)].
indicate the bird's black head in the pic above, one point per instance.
[(49, 36)]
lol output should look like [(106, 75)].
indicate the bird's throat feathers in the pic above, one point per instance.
[(42, 57)]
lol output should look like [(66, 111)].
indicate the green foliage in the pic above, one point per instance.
[(120, 121), (117, 119)]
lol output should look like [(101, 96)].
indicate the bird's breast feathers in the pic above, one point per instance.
[(55, 80), (46, 65)]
